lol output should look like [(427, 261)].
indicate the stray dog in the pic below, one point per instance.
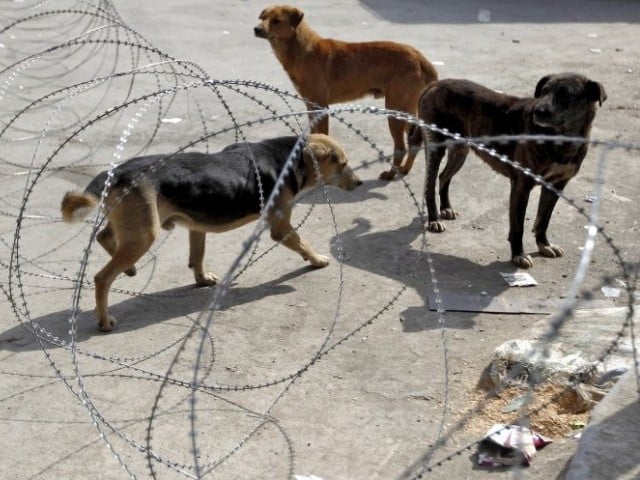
[(563, 104), (326, 71), (205, 193)]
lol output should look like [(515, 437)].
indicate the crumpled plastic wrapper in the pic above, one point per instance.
[(506, 445), (519, 279)]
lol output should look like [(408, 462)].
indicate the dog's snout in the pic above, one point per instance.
[(543, 115), (258, 31), (353, 181), (542, 111)]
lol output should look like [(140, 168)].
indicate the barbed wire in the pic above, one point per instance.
[(113, 87)]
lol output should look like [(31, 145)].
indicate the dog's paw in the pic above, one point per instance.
[(319, 261), (436, 226), (131, 271), (522, 261), (107, 324), (388, 175), (448, 214), (206, 279), (403, 170), (551, 251)]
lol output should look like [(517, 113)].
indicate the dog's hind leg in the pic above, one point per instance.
[(128, 254), (414, 140), (547, 203), (455, 160), (397, 128), (134, 225), (108, 241), (196, 259)]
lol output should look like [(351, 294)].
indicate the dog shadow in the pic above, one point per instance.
[(140, 311), (337, 196), (392, 254)]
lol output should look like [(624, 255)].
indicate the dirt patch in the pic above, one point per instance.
[(554, 410)]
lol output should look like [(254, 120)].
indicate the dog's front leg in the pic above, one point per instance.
[(283, 232), (548, 200), (196, 259), (519, 198), (433, 156)]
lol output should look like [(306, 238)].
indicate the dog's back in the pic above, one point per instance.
[(223, 185), (563, 104), (355, 63), (470, 109)]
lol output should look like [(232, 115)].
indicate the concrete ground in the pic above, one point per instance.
[(345, 372)]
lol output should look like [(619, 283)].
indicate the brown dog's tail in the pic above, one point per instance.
[(77, 205), (429, 72)]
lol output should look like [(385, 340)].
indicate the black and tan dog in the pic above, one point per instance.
[(326, 71), (563, 104), (205, 193)]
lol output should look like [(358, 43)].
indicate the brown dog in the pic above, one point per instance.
[(326, 71), (563, 104), (205, 193)]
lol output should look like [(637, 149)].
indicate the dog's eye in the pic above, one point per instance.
[(563, 92), (275, 21), (334, 156), (563, 96)]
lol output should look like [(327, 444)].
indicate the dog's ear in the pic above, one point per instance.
[(315, 150), (541, 83), (595, 92), (295, 17), (262, 13)]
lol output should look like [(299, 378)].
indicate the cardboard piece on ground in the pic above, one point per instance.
[(454, 302)]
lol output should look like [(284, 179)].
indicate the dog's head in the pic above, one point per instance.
[(565, 103), (325, 156), (278, 23)]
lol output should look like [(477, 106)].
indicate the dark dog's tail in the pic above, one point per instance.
[(77, 205), (415, 137)]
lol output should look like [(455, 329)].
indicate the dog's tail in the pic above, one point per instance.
[(415, 137), (429, 72), (77, 205)]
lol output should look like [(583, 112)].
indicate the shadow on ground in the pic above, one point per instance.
[(140, 311), (391, 253), (518, 11)]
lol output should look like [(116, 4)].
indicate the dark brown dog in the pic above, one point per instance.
[(205, 193), (326, 71), (563, 104)]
